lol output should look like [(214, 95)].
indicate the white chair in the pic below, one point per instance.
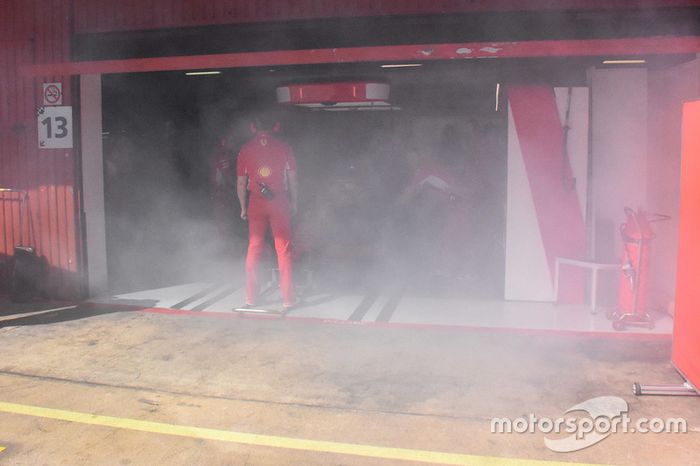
[(594, 267)]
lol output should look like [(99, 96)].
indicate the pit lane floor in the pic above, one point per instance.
[(112, 385)]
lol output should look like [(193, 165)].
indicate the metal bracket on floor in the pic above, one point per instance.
[(684, 389)]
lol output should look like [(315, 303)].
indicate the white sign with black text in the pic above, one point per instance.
[(55, 125)]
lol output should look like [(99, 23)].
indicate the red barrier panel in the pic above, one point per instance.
[(686, 332)]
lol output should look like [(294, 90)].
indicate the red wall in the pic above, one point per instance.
[(36, 32), (686, 331), (120, 15)]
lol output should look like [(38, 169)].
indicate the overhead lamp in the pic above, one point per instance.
[(624, 62), (402, 65), (498, 94), (202, 73)]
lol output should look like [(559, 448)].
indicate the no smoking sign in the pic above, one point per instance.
[(53, 94)]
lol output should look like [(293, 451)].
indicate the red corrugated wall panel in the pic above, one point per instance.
[(36, 32), (14, 126)]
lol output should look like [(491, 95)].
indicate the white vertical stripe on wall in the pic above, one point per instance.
[(527, 273)]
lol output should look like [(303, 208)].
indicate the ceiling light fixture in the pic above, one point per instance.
[(498, 94), (202, 73), (624, 62), (403, 65)]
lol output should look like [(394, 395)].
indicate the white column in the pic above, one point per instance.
[(93, 182)]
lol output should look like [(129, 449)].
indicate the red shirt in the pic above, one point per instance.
[(265, 159)]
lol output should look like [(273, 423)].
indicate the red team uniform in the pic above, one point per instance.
[(266, 160)]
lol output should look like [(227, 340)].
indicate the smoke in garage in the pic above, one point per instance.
[(412, 197)]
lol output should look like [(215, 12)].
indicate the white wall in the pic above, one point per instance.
[(619, 153)]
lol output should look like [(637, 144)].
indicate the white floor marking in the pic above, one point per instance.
[(422, 310), (35, 313)]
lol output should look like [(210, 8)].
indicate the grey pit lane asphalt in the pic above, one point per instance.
[(417, 389)]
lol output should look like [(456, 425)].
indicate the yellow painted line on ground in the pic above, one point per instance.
[(372, 451)]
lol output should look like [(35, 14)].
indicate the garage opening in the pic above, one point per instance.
[(362, 225)]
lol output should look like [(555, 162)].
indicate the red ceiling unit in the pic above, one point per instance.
[(335, 96)]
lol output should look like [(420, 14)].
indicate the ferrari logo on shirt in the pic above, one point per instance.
[(264, 172)]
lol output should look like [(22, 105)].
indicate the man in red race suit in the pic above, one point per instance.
[(267, 190)]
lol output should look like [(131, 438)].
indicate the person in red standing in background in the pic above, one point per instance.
[(267, 189)]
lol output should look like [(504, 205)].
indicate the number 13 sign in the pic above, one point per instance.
[(55, 125)]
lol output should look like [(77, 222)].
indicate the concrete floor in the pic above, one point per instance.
[(417, 389)]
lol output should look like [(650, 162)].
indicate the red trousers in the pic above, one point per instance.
[(275, 214)]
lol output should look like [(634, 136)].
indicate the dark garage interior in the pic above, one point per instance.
[(161, 134)]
